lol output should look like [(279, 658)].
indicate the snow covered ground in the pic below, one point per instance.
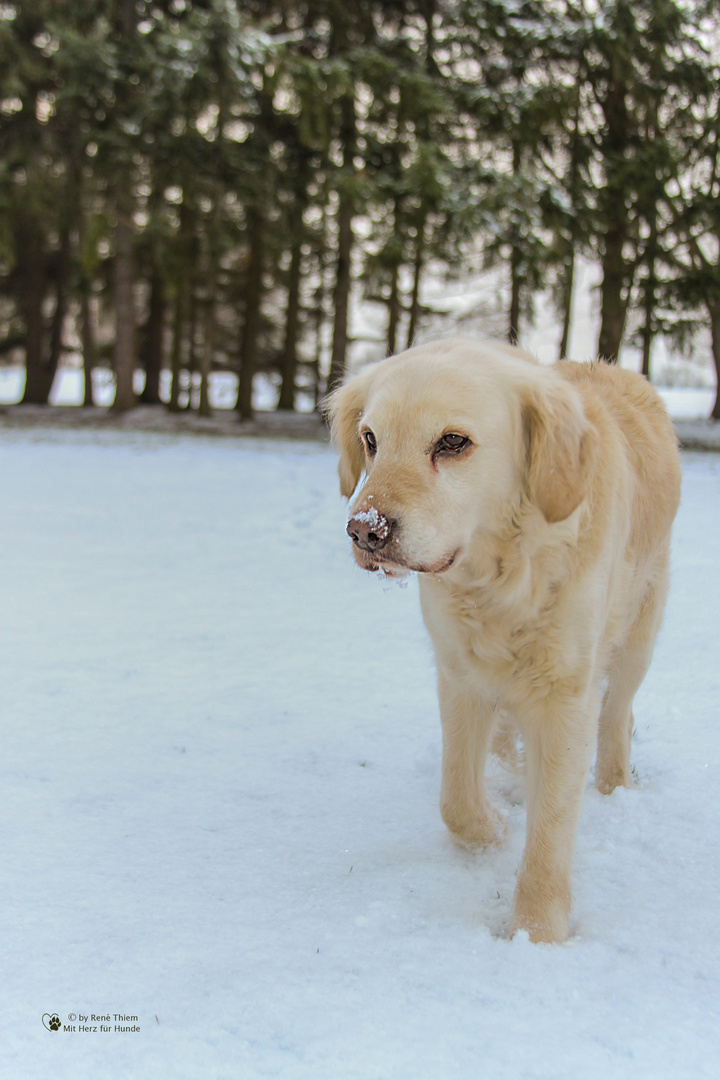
[(220, 773)]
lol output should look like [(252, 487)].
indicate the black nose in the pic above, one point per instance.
[(369, 529)]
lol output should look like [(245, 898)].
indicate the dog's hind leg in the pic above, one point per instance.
[(627, 670), (467, 723)]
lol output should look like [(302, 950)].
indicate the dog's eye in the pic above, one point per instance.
[(370, 442), (452, 443)]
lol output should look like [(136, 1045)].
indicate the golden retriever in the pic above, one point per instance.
[(535, 504)]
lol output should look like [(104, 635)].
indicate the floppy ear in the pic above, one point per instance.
[(561, 447), (343, 408)]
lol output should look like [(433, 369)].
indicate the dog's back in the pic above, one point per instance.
[(623, 403)]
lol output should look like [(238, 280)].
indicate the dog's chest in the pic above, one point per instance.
[(499, 641)]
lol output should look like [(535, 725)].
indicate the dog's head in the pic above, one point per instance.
[(451, 437)]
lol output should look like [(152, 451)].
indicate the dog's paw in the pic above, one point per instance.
[(610, 778), (542, 931), (542, 911), (483, 829)]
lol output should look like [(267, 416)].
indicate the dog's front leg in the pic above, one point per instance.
[(558, 747), (467, 724)]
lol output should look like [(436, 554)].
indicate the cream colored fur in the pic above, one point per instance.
[(556, 521)]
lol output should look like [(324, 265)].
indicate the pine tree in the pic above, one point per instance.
[(641, 65), (696, 229)]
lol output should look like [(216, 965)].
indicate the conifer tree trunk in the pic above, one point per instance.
[(714, 310), (393, 310), (286, 400), (343, 272), (87, 326), (89, 351), (251, 322), (615, 289), (515, 286), (614, 302), (124, 352), (568, 288), (194, 329), (341, 296), (418, 265), (152, 356), (515, 266), (573, 183), (255, 231), (425, 134), (650, 257), (208, 349), (37, 379), (208, 332), (648, 312), (31, 274), (63, 264), (317, 308), (124, 271), (61, 287), (177, 348), (394, 305), (42, 365)]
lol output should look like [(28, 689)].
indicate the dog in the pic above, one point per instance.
[(535, 504)]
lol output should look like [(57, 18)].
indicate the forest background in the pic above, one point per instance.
[(202, 186)]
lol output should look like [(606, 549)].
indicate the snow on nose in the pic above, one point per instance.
[(369, 529)]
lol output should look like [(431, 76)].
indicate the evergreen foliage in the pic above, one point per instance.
[(201, 185)]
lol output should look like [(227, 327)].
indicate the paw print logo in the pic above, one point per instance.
[(51, 1021)]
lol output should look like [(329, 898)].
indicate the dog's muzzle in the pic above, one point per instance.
[(369, 529)]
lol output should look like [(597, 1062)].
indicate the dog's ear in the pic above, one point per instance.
[(560, 446), (343, 409)]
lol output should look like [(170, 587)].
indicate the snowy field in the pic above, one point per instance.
[(220, 774)]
